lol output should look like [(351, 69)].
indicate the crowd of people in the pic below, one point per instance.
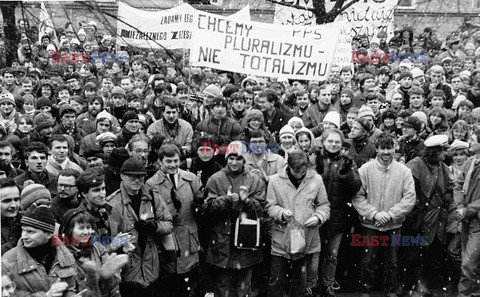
[(150, 177)]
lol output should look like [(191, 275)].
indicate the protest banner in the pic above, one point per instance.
[(285, 15), (369, 17), (343, 52), (171, 28), (263, 49), (364, 17)]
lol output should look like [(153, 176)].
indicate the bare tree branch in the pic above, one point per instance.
[(319, 9), (347, 6), (293, 6)]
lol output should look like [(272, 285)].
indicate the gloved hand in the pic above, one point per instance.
[(151, 226), (345, 167), (146, 226), (141, 226)]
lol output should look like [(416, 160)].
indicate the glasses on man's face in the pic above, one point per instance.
[(141, 151), (64, 186)]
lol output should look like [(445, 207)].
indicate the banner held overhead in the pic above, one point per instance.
[(263, 49), (171, 28)]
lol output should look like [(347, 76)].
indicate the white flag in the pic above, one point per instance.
[(46, 26)]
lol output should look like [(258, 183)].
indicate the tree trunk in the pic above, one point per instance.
[(9, 29)]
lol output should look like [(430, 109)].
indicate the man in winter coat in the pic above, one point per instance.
[(180, 191), (40, 268), (387, 195), (10, 202), (297, 200), (219, 124), (172, 127), (340, 176), (467, 190), (145, 218), (36, 159), (232, 192), (362, 149), (275, 117), (313, 116), (429, 216)]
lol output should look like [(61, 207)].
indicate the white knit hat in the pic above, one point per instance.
[(334, 118), (286, 130), (296, 119), (417, 72), (235, 147)]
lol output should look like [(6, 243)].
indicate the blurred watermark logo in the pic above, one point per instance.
[(208, 148), (359, 57), (76, 241), (69, 58), (392, 240), (107, 57)]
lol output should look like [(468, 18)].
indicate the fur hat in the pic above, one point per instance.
[(43, 102), (42, 121), (254, 114), (64, 108)]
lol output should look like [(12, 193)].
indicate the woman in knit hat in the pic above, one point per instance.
[(98, 272), (287, 141), (254, 120), (103, 124), (33, 196), (344, 104), (296, 123), (304, 138), (388, 123)]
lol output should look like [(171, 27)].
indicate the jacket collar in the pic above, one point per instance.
[(26, 263), (160, 177), (126, 198), (381, 167)]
